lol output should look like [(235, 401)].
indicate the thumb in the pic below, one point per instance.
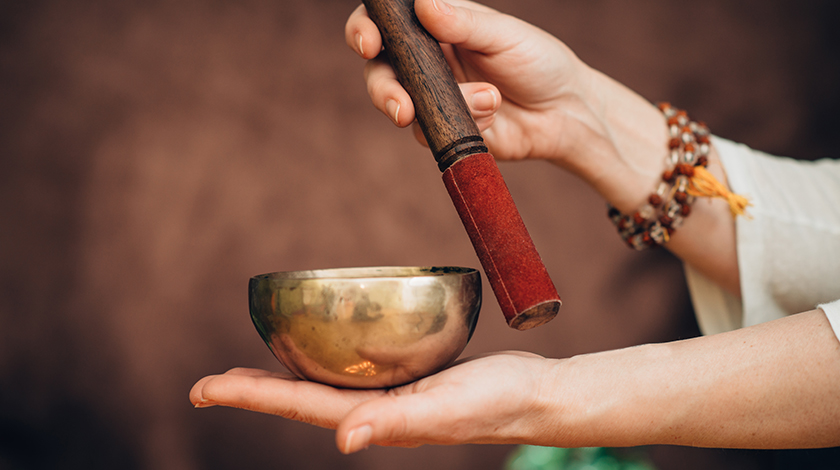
[(404, 420), (466, 24)]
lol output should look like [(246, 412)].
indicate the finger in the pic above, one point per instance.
[(395, 420), (467, 24), (197, 399), (259, 373), (483, 100), (387, 94), (418, 134), (361, 34), (295, 399), (387, 422), (196, 396)]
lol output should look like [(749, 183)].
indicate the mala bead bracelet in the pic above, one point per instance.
[(684, 179)]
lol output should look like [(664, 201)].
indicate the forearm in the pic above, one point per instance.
[(775, 385), (621, 151)]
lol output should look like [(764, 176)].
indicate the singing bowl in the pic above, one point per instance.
[(370, 327)]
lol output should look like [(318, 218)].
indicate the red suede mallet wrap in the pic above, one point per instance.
[(514, 269)]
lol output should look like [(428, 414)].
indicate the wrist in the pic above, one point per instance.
[(615, 140), (639, 135), (612, 398)]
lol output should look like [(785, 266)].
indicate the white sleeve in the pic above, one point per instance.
[(788, 245), (832, 311)]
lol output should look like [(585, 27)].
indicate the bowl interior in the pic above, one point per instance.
[(376, 272)]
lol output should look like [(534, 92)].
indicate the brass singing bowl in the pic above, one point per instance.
[(366, 327)]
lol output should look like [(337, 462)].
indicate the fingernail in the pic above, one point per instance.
[(484, 101), (357, 439), (442, 7), (361, 47), (393, 108), (203, 404)]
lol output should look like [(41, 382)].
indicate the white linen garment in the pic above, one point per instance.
[(788, 246)]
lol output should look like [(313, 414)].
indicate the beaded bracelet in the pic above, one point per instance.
[(684, 179)]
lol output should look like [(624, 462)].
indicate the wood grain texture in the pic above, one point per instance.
[(422, 70)]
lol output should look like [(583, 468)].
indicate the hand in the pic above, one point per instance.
[(530, 96), (489, 399), (513, 75)]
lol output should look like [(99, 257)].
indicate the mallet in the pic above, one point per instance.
[(516, 273)]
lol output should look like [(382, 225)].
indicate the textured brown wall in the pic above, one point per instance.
[(154, 155)]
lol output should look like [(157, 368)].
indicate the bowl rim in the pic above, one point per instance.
[(368, 272)]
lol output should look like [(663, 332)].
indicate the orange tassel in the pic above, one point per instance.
[(704, 184)]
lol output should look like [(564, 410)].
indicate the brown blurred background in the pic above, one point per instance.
[(154, 155)]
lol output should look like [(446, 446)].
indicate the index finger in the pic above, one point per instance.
[(361, 34)]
